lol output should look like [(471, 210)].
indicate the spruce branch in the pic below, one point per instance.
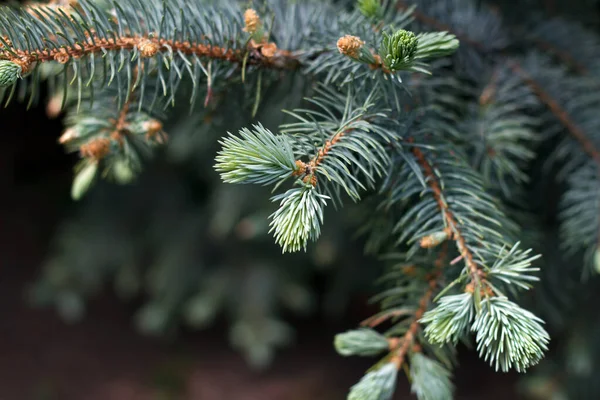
[(570, 42), (450, 220), (257, 156), (116, 140), (430, 379), (559, 112), (400, 50), (298, 218), (449, 321), (501, 132), (143, 43), (509, 336), (360, 342), (403, 342), (345, 140), (538, 89), (378, 384), (407, 341)]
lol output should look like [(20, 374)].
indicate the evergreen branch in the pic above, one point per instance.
[(501, 132), (562, 55), (455, 206), (400, 348), (570, 42), (346, 141), (451, 221), (117, 139), (298, 218), (430, 379), (408, 339), (579, 215), (99, 46), (559, 112), (543, 95), (148, 47), (257, 157), (89, 38), (509, 336)]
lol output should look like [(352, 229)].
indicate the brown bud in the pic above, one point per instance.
[(300, 168), (62, 56), (268, 50), (25, 63), (434, 239), (251, 20), (147, 48), (96, 149), (312, 179), (152, 127), (349, 45), (470, 288)]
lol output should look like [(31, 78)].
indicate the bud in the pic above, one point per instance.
[(350, 45), (398, 50), (252, 21), (152, 127), (83, 180), (268, 50), (300, 168), (310, 180), (9, 73), (26, 63), (96, 149), (370, 8), (360, 342), (434, 239), (62, 56), (147, 48)]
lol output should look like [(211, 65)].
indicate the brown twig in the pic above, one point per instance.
[(307, 170), (562, 55), (270, 58), (560, 113), (401, 346), (449, 217)]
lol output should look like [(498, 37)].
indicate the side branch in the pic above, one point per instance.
[(307, 170), (402, 345), (263, 54), (450, 220), (589, 147), (564, 56)]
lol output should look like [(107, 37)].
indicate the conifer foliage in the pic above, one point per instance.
[(428, 114)]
